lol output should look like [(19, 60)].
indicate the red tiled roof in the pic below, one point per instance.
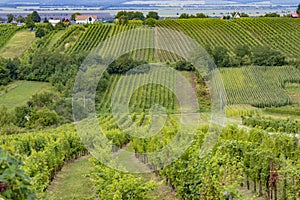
[(85, 17), (296, 15)]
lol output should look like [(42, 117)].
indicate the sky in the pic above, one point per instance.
[(87, 2)]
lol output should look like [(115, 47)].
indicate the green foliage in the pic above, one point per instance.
[(264, 56), (6, 33), (267, 85), (5, 116), (184, 16), (150, 22), (285, 110), (14, 183), (40, 32), (90, 38), (153, 15), (20, 19), (183, 65), (8, 70), (201, 15), (35, 16), (73, 16), (111, 184), (60, 26), (271, 15), (136, 15), (10, 18), (44, 153), (187, 16), (244, 15), (29, 22), (272, 125), (298, 9), (242, 55), (221, 56), (42, 118), (123, 64)]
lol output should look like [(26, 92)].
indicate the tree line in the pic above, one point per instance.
[(244, 55)]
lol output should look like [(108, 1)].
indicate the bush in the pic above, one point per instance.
[(183, 65), (42, 118), (264, 56), (14, 183)]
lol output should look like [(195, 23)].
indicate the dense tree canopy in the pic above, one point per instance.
[(264, 56), (271, 15), (130, 15), (35, 16), (29, 22), (150, 22), (10, 18), (153, 15), (20, 19), (40, 32)]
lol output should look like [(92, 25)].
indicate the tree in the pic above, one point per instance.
[(60, 26), (42, 118), (184, 16), (226, 17), (46, 20), (201, 15), (20, 19), (73, 16), (29, 22), (271, 15), (123, 19), (150, 22), (153, 15), (264, 56), (244, 15), (35, 16), (10, 18), (120, 14), (123, 64), (221, 57), (242, 55), (183, 65), (40, 32), (233, 14), (135, 15), (4, 74), (242, 51), (298, 9)]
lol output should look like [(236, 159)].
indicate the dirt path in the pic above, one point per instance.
[(71, 182), (163, 191)]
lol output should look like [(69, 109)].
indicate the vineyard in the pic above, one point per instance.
[(280, 34), (259, 86), (272, 125), (6, 32), (240, 159)]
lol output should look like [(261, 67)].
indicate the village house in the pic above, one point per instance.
[(85, 19), (295, 15), (54, 21)]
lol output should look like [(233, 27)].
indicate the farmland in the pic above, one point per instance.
[(241, 142), (18, 93), (16, 46)]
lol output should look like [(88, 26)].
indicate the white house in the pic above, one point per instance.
[(54, 21), (85, 19), (237, 16)]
